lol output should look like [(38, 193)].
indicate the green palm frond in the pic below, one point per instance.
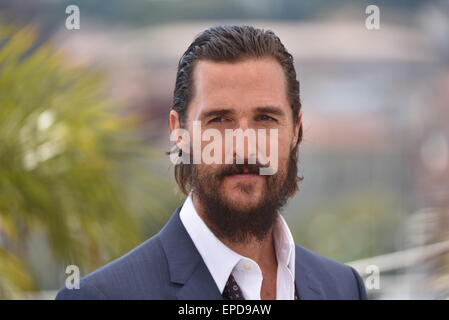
[(66, 160)]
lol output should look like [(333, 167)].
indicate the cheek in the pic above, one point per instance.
[(284, 145)]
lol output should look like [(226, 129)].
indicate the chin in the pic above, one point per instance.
[(242, 201)]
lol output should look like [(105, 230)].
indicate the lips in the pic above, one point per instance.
[(245, 172), (243, 177)]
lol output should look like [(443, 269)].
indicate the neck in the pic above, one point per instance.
[(261, 251)]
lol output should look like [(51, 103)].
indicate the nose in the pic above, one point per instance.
[(243, 124), (245, 144)]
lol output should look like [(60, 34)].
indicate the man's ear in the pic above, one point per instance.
[(174, 120), (175, 124), (298, 125)]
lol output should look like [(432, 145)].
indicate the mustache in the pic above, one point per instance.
[(232, 169)]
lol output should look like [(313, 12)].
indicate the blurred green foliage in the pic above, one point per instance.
[(70, 166), (360, 224)]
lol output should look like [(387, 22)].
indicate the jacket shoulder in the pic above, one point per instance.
[(142, 273), (336, 280)]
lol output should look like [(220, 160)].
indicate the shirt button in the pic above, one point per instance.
[(247, 265)]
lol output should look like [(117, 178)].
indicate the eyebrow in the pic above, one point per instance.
[(271, 110), (218, 112), (264, 109)]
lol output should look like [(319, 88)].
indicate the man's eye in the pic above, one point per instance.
[(217, 119), (265, 118)]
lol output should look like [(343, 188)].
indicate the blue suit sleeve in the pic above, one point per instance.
[(85, 292), (360, 285)]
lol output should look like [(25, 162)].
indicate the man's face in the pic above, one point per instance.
[(249, 94)]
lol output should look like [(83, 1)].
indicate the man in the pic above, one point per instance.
[(228, 240)]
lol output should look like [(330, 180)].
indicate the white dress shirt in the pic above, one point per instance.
[(222, 261)]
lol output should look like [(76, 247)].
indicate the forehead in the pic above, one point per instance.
[(238, 85)]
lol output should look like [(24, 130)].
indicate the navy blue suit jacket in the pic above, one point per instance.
[(168, 266)]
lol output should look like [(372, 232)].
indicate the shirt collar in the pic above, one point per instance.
[(219, 258)]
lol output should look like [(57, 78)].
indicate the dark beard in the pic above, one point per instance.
[(240, 226)]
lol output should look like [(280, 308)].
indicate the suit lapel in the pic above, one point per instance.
[(200, 286), (186, 265), (307, 286)]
